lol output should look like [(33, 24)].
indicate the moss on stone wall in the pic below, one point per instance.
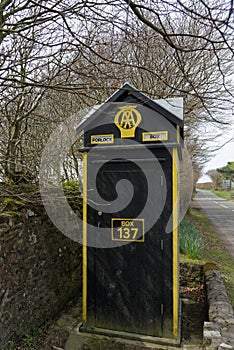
[(40, 267)]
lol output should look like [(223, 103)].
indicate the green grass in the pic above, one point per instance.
[(214, 251), (191, 241), (224, 194)]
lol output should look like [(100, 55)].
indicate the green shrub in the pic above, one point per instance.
[(71, 185), (191, 241), (74, 196)]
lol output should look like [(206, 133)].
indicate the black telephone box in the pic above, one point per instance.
[(130, 214)]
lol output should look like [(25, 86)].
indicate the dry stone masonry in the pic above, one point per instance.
[(219, 331), (39, 274)]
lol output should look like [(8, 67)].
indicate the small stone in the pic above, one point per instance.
[(209, 325), (30, 213), (224, 346), (230, 320), (188, 301), (211, 334), (32, 238)]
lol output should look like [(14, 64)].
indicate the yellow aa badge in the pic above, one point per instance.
[(127, 119)]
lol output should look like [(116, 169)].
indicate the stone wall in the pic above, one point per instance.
[(40, 271), (219, 331), (187, 182), (191, 275)]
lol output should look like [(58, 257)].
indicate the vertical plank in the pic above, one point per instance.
[(84, 297), (175, 242)]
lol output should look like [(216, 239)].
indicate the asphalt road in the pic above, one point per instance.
[(220, 212)]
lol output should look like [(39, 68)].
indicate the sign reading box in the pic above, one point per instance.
[(155, 136), (102, 139), (129, 230)]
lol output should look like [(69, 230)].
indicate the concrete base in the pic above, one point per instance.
[(85, 341), (129, 336)]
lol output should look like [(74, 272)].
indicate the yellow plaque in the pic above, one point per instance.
[(155, 136), (129, 230), (127, 119), (102, 139)]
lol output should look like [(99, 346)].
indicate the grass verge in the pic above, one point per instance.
[(214, 251), (224, 195)]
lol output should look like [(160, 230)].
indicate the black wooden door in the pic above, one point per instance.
[(125, 290)]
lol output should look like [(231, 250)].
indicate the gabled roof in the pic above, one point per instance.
[(128, 94)]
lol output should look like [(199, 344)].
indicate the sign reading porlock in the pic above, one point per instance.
[(100, 139)]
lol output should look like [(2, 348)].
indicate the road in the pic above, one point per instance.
[(220, 212)]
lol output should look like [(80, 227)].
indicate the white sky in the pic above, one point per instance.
[(224, 154), (221, 157)]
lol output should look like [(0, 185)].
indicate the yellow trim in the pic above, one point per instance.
[(84, 298), (165, 138), (178, 133), (101, 143), (175, 242), (128, 240)]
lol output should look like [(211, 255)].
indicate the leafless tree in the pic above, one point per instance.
[(216, 177), (184, 26), (81, 51)]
